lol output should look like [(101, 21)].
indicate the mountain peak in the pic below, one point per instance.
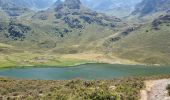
[(72, 4), (58, 2)]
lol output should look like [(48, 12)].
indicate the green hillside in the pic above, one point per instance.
[(148, 44), (65, 28)]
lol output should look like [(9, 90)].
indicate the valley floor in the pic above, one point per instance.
[(27, 58)]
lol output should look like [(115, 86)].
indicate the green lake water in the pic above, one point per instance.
[(85, 71)]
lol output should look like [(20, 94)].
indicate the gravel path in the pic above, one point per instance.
[(155, 90)]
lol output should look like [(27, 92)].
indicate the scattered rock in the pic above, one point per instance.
[(161, 20), (72, 22)]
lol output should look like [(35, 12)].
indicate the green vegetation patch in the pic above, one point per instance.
[(118, 89)]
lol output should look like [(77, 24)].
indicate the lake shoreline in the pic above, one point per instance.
[(74, 65), (67, 60)]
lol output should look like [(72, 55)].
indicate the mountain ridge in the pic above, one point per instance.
[(147, 7), (118, 8)]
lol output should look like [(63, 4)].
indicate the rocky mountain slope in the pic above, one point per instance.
[(148, 43), (148, 7), (44, 37), (66, 25)]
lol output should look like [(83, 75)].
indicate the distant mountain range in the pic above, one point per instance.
[(15, 8), (32, 4), (119, 8), (147, 7)]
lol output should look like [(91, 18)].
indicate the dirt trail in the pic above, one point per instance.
[(155, 90)]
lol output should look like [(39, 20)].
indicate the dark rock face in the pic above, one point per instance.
[(17, 31), (58, 5), (73, 22), (58, 8), (69, 8), (70, 4), (58, 15), (87, 19), (168, 11), (93, 17), (151, 6), (126, 32), (161, 20)]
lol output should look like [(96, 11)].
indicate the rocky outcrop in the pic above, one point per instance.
[(17, 31), (164, 19), (73, 22), (69, 8)]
